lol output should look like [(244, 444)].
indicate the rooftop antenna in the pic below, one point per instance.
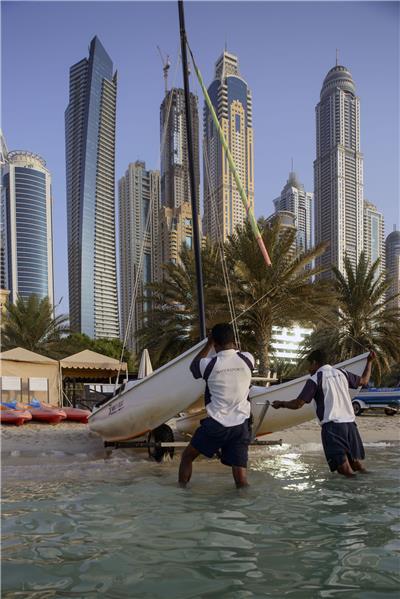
[(292, 165), (337, 56), (166, 65)]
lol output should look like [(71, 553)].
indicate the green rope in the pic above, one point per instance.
[(249, 212)]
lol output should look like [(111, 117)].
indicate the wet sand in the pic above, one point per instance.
[(35, 442)]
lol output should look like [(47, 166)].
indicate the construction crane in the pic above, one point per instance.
[(166, 65)]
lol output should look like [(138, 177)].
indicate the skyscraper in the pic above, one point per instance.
[(295, 199), (175, 231), (393, 264), (338, 171), (374, 235), (3, 227), (175, 182), (139, 205), (175, 217), (90, 165), (26, 199), (231, 98)]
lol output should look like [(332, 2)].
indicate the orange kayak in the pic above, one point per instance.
[(16, 417)]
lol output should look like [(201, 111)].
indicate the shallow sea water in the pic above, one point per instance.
[(121, 528)]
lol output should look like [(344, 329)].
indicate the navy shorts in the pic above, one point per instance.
[(230, 443), (341, 440)]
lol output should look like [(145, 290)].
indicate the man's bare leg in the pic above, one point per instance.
[(240, 476), (346, 469), (185, 467), (357, 466)]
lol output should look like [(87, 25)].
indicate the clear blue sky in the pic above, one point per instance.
[(285, 50)]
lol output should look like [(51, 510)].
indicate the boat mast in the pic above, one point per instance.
[(195, 219)]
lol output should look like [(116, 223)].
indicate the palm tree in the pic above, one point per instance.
[(172, 324), (363, 317), (278, 295), (30, 323)]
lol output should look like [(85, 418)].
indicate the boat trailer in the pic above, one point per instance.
[(161, 442)]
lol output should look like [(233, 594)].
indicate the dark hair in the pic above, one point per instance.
[(318, 356), (222, 333)]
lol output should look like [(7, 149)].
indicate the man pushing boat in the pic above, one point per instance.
[(329, 388), (226, 430)]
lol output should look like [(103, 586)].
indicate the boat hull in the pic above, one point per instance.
[(271, 420), (172, 389), (16, 417), (150, 401), (50, 416)]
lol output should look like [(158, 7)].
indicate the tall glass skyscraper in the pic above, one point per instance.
[(231, 98), (90, 165), (393, 265), (338, 171), (27, 209)]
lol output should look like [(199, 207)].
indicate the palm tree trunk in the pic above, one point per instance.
[(263, 352)]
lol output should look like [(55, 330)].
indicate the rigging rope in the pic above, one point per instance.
[(221, 248)]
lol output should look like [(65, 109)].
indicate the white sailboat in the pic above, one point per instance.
[(142, 406)]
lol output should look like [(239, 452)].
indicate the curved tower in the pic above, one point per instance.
[(338, 170), (231, 98), (393, 264), (90, 165), (28, 224)]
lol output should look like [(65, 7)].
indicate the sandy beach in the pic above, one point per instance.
[(36, 442)]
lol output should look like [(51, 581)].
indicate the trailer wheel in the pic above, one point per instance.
[(161, 434), (390, 411), (357, 408)]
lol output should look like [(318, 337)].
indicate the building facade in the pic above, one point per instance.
[(374, 235), (90, 168), (139, 207), (232, 101), (3, 228), (175, 231), (296, 200), (175, 181), (338, 171), (28, 239), (287, 222), (286, 343), (393, 264)]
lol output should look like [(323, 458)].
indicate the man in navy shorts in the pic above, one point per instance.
[(329, 388), (226, 430)]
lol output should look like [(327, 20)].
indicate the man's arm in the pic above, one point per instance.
[(203, 353), (306, 395), (366, 375)]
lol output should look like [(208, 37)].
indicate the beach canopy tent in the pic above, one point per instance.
[(88, 364), (26, 375), (87, 367)]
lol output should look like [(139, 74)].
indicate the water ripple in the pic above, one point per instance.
[(128, 532)]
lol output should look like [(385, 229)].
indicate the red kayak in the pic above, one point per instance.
[(52, 415), (76, 414), (16, 417)]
